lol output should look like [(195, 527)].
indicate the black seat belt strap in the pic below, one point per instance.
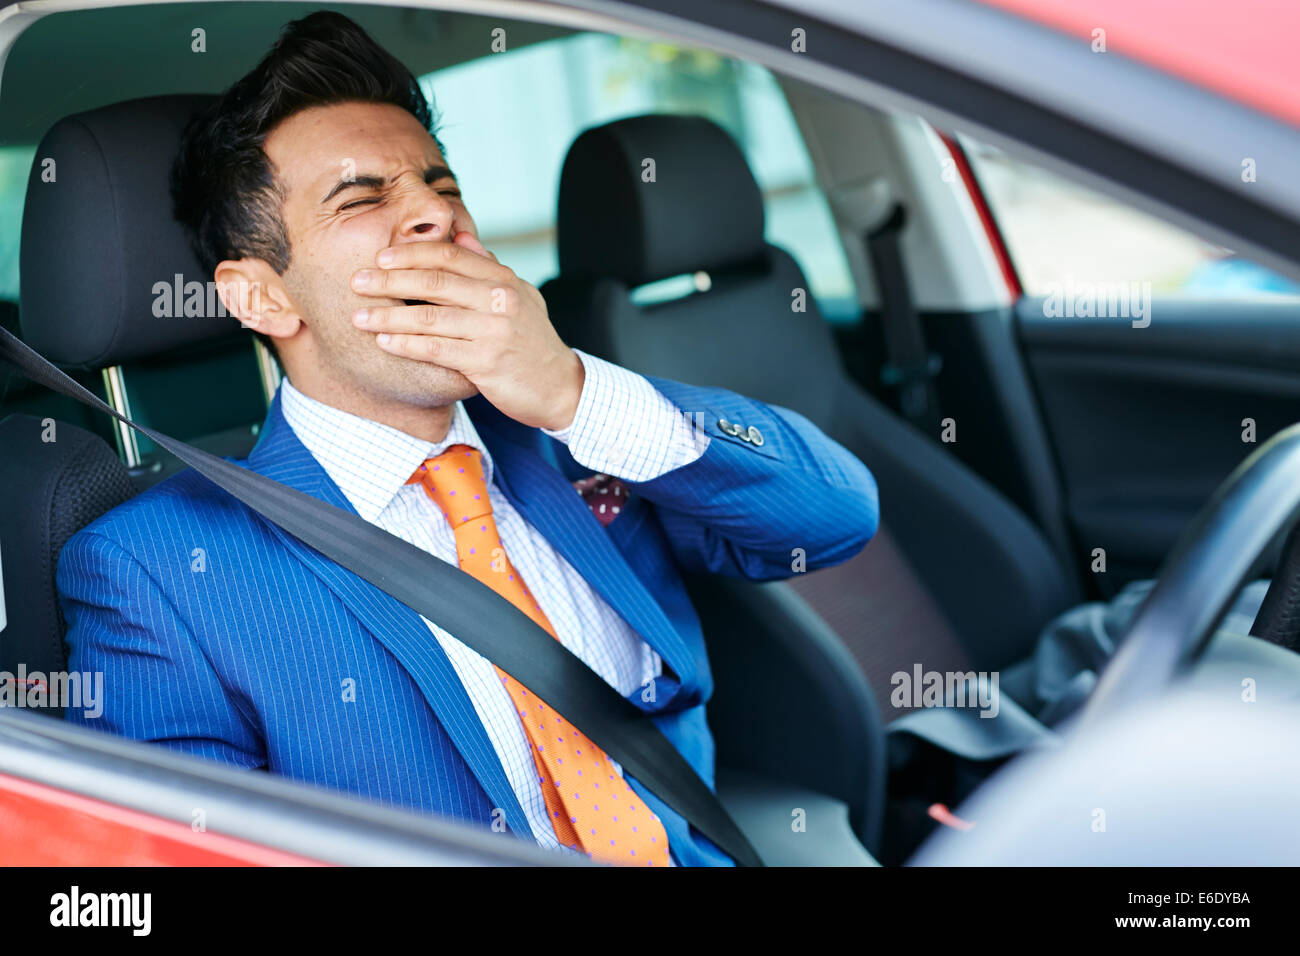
[(460, 604), (909, 367)]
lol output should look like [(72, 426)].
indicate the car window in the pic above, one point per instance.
[(15, 162), (1062, 235), (544, 95)]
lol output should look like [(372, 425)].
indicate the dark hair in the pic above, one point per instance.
[(223, 187)]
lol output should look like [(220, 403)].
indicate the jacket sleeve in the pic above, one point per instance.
[(157, 684), (770, 496)]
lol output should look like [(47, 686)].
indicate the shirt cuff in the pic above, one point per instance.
[(626, 428)]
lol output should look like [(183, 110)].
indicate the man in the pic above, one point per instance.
[(427, 391)]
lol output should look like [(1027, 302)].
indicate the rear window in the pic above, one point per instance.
[(15, 163)]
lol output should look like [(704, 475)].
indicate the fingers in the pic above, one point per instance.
[(470, 242), (421, 320), (450, 353), (433, 285), (452, 256)]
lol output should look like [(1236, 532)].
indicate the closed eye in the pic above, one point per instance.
[(450, 191)]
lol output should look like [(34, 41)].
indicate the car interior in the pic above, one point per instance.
[(1071, 434)]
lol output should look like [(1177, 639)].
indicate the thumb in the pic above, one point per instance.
[(470, 242)]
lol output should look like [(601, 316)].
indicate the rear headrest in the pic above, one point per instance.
[(100, 250), (696, 208)]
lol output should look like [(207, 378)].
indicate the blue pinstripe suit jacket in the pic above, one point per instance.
[(223, 636)]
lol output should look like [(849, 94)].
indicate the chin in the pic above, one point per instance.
[(429, 386)]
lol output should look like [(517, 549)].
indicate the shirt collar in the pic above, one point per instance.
[(369, 462)]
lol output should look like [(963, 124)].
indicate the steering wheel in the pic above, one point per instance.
[(1185, 757), (1200, 579)]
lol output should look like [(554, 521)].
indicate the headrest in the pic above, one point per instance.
[(101, 252), (696, 207)]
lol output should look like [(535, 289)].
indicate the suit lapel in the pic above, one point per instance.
[(281, 456), (546, 499)]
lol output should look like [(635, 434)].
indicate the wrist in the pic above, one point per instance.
[(566, 411)]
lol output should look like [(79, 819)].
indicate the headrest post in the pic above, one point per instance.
[(268, 371), (128, 448)]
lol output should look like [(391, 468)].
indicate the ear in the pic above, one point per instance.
[(255, 294)]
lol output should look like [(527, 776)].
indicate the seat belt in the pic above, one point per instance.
[(461, 604), (909, 366)]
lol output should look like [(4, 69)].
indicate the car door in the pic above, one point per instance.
[(1159, 361)]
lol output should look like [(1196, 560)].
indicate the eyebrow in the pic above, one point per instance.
[(431, 175)]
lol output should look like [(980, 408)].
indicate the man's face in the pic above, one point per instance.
[(358, 178)]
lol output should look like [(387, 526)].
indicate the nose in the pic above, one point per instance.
[(427, 215)]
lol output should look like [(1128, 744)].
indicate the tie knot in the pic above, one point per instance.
[(457, 483)]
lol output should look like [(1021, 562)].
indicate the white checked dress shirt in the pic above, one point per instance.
[(623, 427)]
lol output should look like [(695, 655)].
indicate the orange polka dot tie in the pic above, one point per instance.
[(591, 806)]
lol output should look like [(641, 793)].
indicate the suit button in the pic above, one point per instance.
[(731, 428), (724, 425), (755, 435)]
